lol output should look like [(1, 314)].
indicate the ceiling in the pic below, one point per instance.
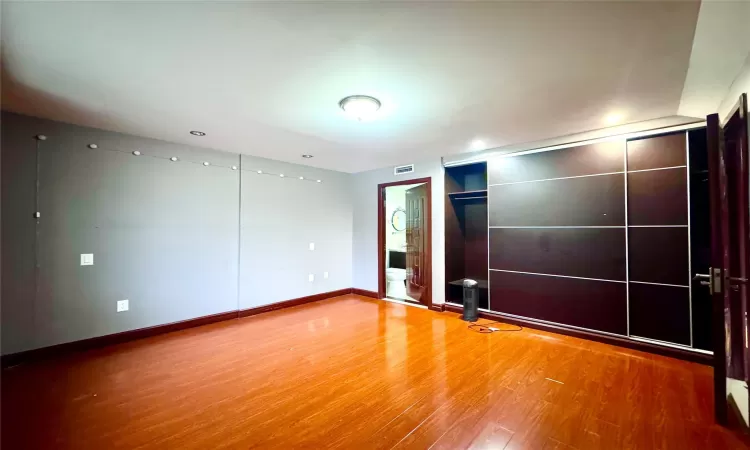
[(721, 47), (265, 78)]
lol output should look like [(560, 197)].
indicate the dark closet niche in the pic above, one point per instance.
[(466, 231), (700, 237)]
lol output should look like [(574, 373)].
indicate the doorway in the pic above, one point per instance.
[(405, 241)]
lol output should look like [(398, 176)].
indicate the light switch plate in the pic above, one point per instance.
[(312, 245), (87, 259), (311, 278), (123, 305), (325, 274)]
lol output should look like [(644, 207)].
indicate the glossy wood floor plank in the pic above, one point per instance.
[(355, 373)]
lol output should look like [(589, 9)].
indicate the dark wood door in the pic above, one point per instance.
[(416, 242), (719, 258), (730, 248)]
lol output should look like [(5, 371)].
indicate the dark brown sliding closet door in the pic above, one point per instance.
[(658, 238), (557, 236)]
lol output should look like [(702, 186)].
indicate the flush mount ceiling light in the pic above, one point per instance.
[(197, 133), (360, 107), (307, 156)]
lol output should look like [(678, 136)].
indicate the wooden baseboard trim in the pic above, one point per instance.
[(613, 340), (437, 307), (15, 359), (293, 302), (365, 293)]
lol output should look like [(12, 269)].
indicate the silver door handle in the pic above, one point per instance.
[(712, 279), (704, 277)]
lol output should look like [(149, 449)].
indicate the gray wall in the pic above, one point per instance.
[(280, 218), (365, 237), (165, 235)]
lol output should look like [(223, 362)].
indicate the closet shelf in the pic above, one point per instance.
[(466, 195), (482, 284)]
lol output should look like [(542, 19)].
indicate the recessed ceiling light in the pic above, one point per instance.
[(361, 107), (281, 175), (206, 163), (307, 156), (93, 146), (234, 167), (173, 159), (260, 171), (478, 144), (197, 133), (301, 178), (613, 118), (318, 181), (137, 153)]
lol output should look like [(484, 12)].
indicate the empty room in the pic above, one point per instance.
[(375, 225)]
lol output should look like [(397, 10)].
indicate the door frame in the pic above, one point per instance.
[(426, 299)]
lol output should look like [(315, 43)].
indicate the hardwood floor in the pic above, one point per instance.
[(353, 372)]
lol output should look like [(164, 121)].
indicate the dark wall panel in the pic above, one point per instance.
[(655, 152), (587, 201), (475, 249), (660, 312), (596, 305), (603, 157), (580, 252), (658, 197), (454, 244), (659, 255), (471, 177)]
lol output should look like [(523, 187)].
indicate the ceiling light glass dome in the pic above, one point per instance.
[(360, 107)]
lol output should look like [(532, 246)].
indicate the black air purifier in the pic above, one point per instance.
[(471, 300)]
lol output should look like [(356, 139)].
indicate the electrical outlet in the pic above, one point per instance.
[(325, 275), (311, 278), (87, 259), (123, 305), (312, 246)]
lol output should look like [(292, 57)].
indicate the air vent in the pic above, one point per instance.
[(400, 170)]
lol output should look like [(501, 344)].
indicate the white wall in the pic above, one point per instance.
[(365, 236), (741, 84)]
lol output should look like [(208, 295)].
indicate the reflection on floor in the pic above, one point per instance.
[(404, 297), (357, 373), (405, 302)]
